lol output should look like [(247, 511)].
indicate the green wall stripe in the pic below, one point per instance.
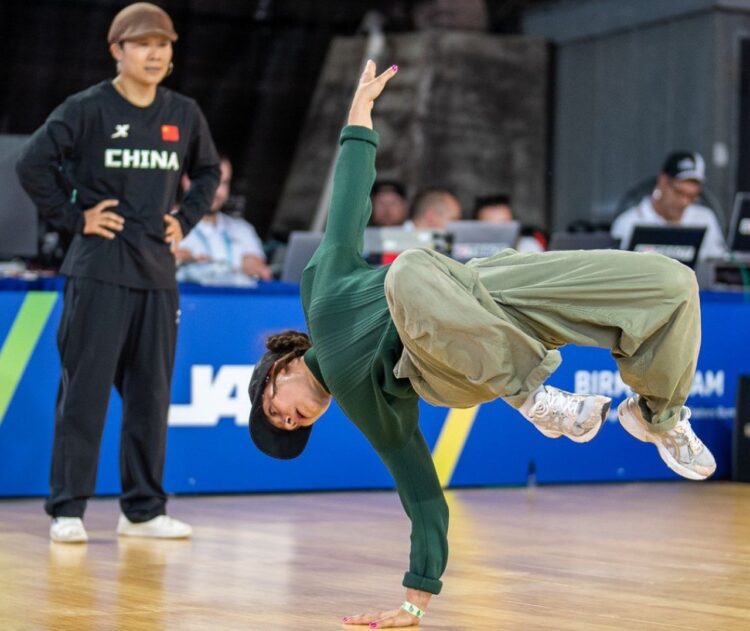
[(22, 339)]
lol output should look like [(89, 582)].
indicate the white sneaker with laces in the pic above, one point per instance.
[(160, 527), (679, 447), (68, 530), (556, 413)]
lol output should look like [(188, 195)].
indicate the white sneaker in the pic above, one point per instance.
[(558, 413), (161, 527), (679, 447), (68, 530)]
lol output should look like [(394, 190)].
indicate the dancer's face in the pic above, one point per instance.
[(144, 60), (297, 400)]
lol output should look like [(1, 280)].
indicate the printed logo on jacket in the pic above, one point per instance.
[(141, 159)]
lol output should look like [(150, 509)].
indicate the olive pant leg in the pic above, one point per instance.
[(643, 307), (460, 348), (489, 329)]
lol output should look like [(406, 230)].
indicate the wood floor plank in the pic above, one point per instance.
[(662, 556)]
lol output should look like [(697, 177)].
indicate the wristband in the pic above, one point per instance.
[(412, 609)]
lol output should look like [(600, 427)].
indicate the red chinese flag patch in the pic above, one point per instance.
[(170, 133)]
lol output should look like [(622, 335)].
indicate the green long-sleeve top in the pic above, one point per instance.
[(355, 348)]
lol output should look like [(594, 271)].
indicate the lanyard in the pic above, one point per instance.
[(207, 244)]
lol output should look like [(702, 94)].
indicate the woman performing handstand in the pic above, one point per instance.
[(459, 335)]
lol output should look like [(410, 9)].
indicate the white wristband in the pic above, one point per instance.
[(412, 609)]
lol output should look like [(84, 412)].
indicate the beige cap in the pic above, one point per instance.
[(141, 19)]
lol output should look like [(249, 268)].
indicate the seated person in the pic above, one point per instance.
[(389, 204), (498, 209), (494, 208), (220, 246), (433, 209), (673, 203)]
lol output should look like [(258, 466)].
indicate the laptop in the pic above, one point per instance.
[(480, 239), (583, 241), (682, 243), (299, 251), (382, 245), (18, 215), (739, 229)]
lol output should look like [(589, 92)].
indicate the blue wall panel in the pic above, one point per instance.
[(209, 449)]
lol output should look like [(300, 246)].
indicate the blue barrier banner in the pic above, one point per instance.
[(221, 335)]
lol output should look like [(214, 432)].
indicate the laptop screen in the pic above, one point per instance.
[(583, 241), (299, 251), (396, 239), (681, 243), (18, 215), (739, 231), (480, 239)]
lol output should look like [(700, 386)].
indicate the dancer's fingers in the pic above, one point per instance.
[(369, 72)]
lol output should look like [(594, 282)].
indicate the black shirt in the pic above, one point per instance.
[(97, 146)]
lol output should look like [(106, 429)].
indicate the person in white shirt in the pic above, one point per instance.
[(221, 241), (673, 202)]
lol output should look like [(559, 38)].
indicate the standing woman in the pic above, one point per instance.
[(459, 335), (105, 166)]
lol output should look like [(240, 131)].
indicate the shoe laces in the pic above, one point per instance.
[(684, 428), (556, 404)]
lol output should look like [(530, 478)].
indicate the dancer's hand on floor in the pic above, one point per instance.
[(384, 619), (396, 618)]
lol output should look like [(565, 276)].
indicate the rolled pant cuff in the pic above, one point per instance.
[(415, 581), (666, 420), (536, 378)]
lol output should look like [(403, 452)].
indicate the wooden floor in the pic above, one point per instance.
[(642, 556)]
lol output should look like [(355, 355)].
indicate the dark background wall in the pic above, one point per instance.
[(634, 80), (251, 64), (467, 111)]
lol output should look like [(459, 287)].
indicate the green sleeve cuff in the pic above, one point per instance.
[(414, 581), (357, 132)]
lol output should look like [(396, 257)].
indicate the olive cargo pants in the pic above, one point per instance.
[(490, 328)]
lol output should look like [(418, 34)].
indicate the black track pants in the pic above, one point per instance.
[(108, 335)]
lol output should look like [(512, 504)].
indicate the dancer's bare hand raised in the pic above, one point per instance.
[(368, 89)]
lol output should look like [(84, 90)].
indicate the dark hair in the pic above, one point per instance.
[(388, 186), (490, 200), (290, 345), (273, 441)]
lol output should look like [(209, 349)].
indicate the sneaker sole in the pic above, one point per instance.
[(148, 535), (634, 427), (147, 530), (584, 438), (548, 433), (80, 539)]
